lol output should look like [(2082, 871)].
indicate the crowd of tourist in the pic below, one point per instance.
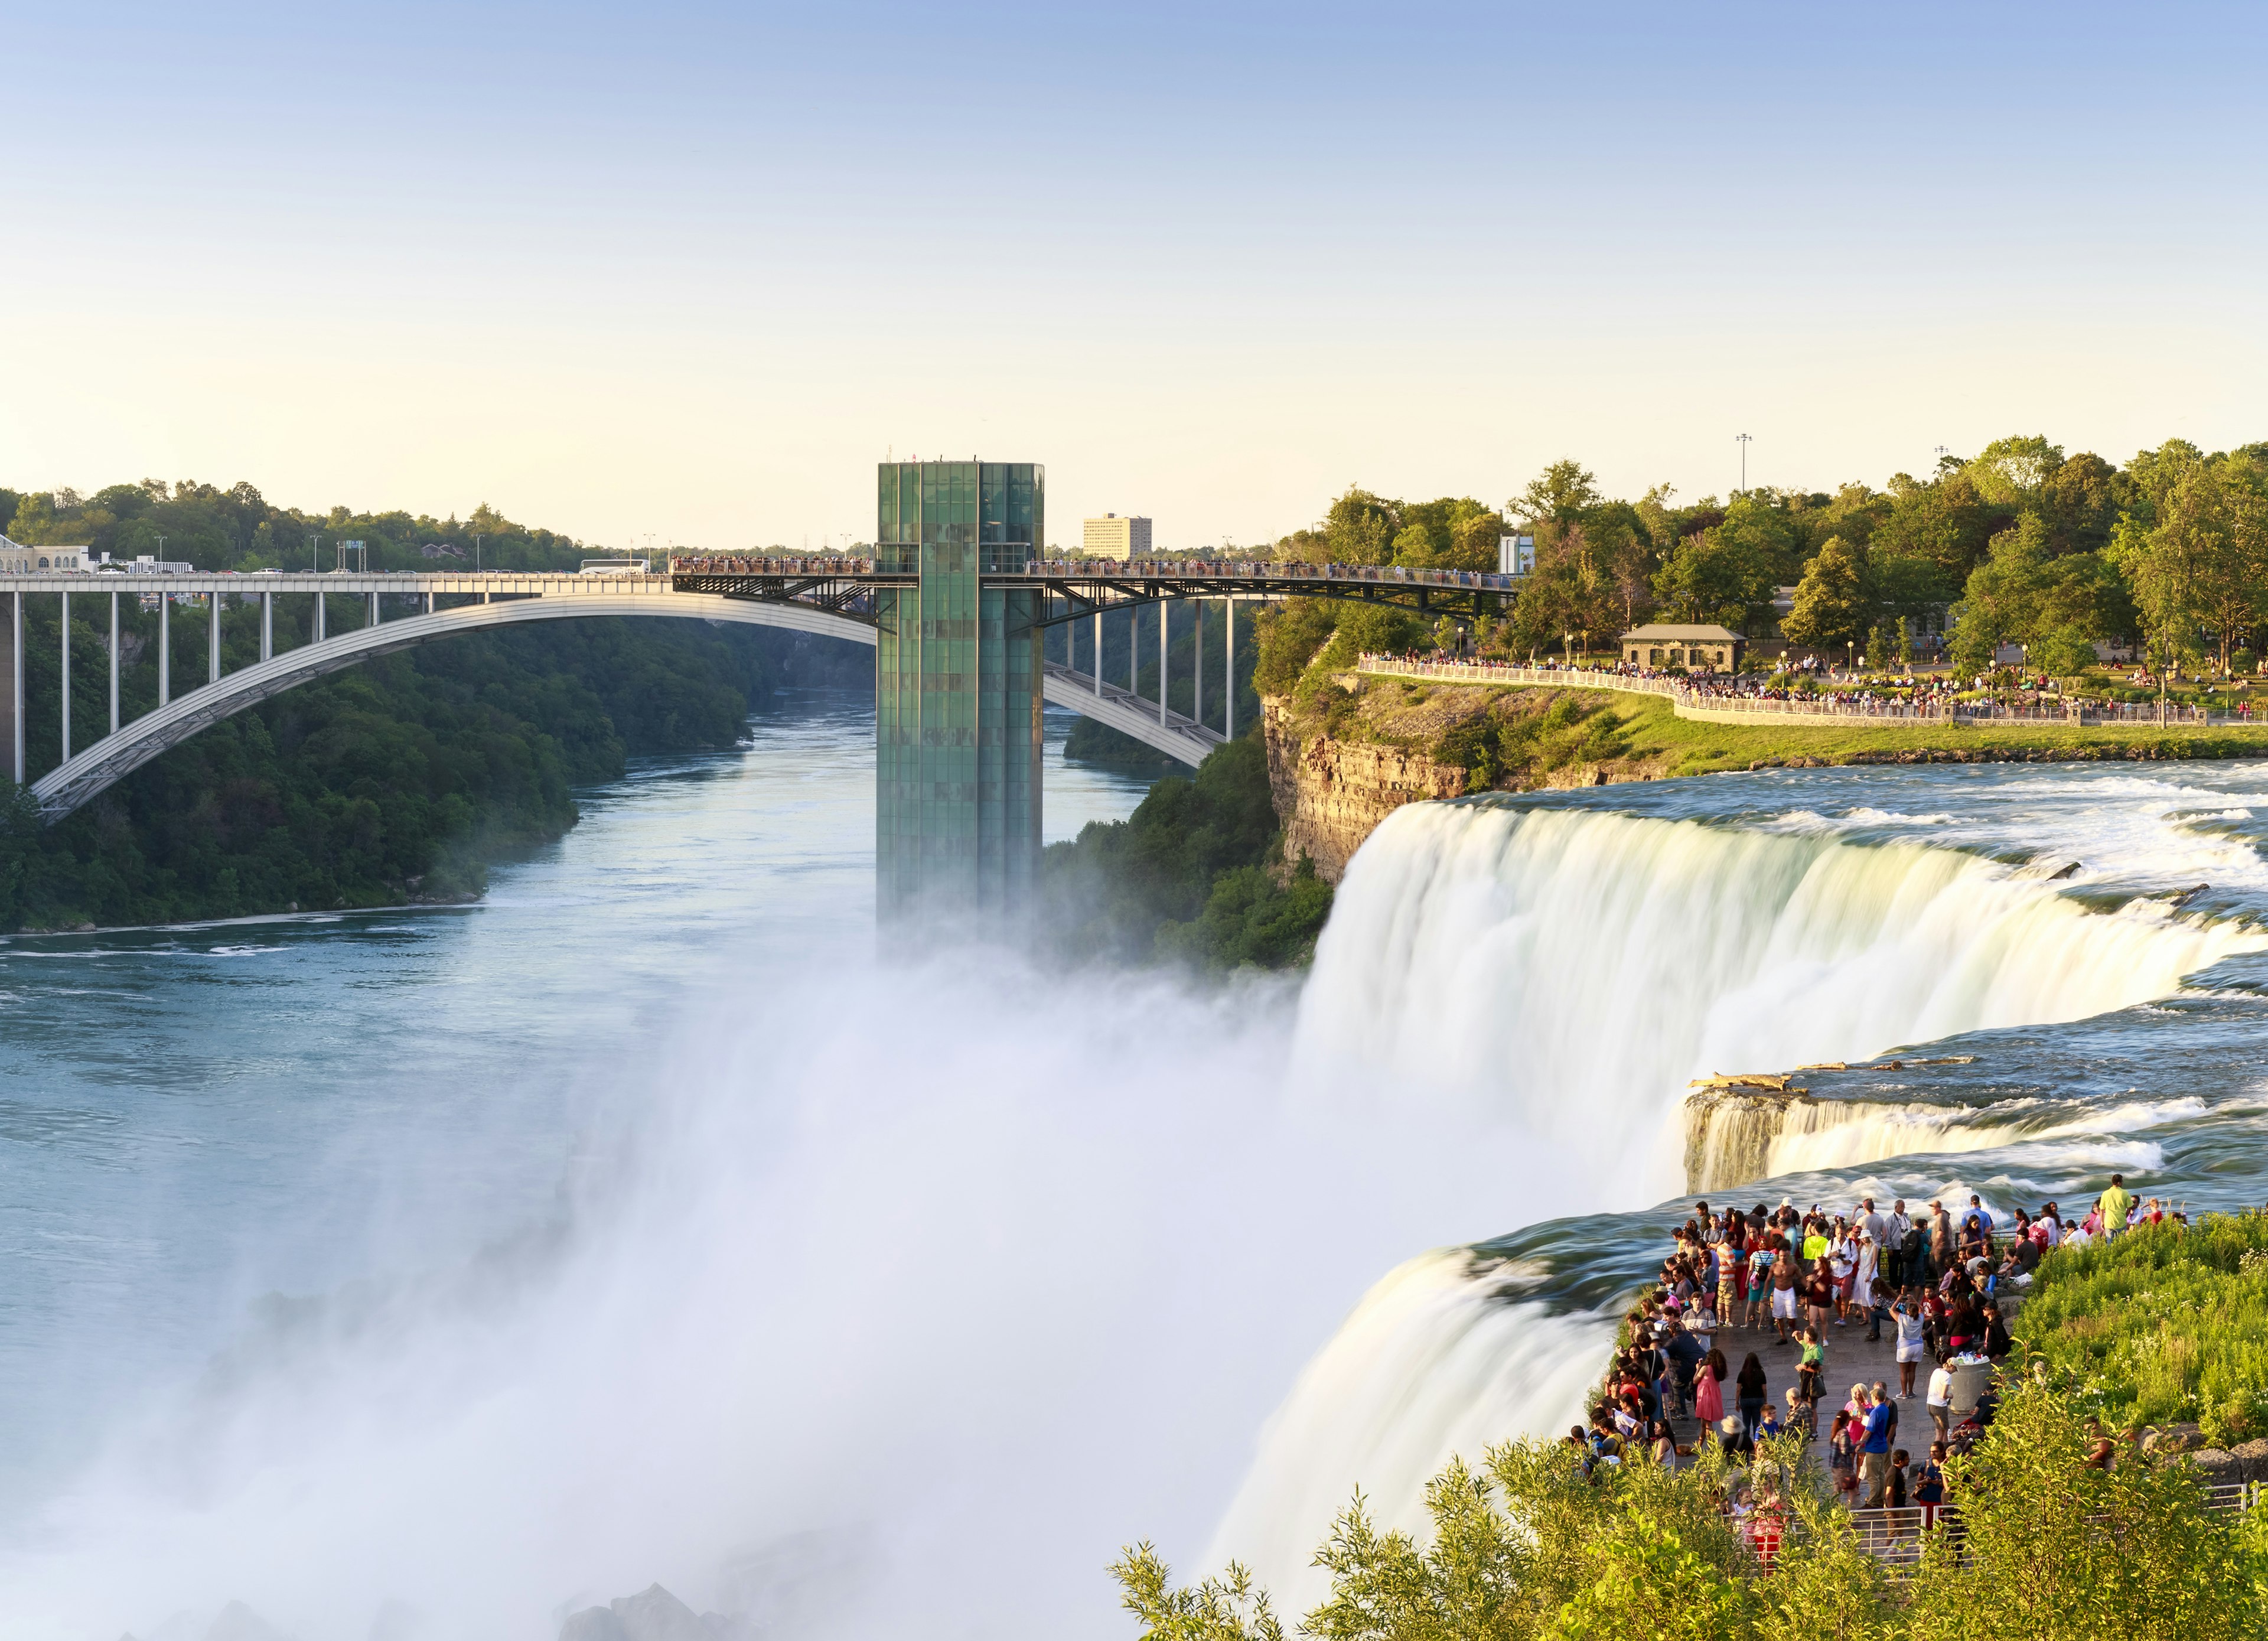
[(1796, 688), (1769, 1287)]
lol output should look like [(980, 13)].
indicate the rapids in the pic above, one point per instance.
[(436, 1274)]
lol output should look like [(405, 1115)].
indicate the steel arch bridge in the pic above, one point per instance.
[(831, 598)]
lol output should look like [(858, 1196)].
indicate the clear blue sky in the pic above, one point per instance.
[(691, 269)]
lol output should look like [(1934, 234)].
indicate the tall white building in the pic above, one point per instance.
[(1113, 537)]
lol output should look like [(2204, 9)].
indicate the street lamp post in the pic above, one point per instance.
[(1742, 440)]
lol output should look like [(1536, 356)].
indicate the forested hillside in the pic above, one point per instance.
[(399, 779)]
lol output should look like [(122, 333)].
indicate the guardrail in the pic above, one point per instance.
[(1105, 569), (1690, 699)]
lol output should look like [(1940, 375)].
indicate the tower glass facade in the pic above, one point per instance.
[(957, 688)]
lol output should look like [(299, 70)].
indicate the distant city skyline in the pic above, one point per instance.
[(692, 269)]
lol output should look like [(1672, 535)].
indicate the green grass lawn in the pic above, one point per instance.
[(1654, 732), (2163, 1325)]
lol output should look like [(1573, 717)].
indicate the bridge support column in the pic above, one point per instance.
[(429, 601), (212, 643), (66, 678), (15, 675), (114, 664), (1098, 655), (315, 624), (1164, 625), (267, 626), (1228, 687), (164, 648), (1197, 672), (373, 609)]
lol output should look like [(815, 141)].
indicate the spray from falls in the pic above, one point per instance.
[(1578, 969), (1573, 970)]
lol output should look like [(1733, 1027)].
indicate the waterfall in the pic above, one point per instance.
[(1446, 1355), (1576, 969), (1573, 970)]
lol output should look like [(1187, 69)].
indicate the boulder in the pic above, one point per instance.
[(238, 1622), (653, 1615), (2181, 1438), (594, 1624), (2252, 1460)]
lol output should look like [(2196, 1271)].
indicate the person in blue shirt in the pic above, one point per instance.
[(1874, 1451)]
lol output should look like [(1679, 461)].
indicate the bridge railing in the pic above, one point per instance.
[(1852, 708), (1226, 570)]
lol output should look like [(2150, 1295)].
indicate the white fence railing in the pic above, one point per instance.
[(1847, 708)]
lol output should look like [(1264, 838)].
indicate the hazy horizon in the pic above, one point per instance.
[(692, 269)]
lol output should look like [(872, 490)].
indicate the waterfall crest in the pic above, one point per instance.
[(1576, 969), (1572, 970)]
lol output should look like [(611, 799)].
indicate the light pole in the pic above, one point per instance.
[(1741, 439), (476, 555)]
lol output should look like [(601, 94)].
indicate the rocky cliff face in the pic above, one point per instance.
[(1330, 794)]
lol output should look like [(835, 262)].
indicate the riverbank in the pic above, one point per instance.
[(1347, 749), (399, 781)]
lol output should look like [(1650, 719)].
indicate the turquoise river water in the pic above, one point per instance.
[(437, 1273)]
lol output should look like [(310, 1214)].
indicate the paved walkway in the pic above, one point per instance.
[(1851, 1360)]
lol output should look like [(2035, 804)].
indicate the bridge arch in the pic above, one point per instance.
[(110, 759)]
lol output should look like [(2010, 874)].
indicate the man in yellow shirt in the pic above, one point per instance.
[(2116, 1204)]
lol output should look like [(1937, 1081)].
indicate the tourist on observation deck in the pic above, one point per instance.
[(2116, 1204)]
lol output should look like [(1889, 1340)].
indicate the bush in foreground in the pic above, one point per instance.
[(2163, 1325), (1530, 1546)]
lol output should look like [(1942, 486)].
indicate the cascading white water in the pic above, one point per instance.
[(1578, 968), (1442, 1357), (1573, 970), (1848, 1134)]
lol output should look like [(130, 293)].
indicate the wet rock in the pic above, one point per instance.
[(653, 1615), (238, 1622)]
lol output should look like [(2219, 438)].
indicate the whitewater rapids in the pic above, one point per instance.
[(1578, 967)]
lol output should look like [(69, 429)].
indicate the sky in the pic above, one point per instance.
[(686, 271)]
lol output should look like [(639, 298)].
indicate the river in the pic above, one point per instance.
[(437, 1273)]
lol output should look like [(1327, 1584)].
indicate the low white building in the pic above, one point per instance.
[(16, 559)]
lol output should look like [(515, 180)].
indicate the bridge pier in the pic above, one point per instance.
[(212, 645), (114, 664), (164, 648), (1228, 699), (66, 678), (15, 675), (267, 626)]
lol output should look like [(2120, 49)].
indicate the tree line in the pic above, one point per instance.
[(2020, 544), (398, 779)]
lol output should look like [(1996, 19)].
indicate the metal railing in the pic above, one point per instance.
[(1712, 698), (1895, 1537), (1170, 569)]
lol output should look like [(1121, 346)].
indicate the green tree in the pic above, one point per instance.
[(1571, 593), (1561, 494), (1835, 605), (1945, 521), (2080, 502), (1361, 527), (2014, 471), (2002, 602), (1715, 575), (2132, 1551), (1226, 1608), (2172, 565)]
